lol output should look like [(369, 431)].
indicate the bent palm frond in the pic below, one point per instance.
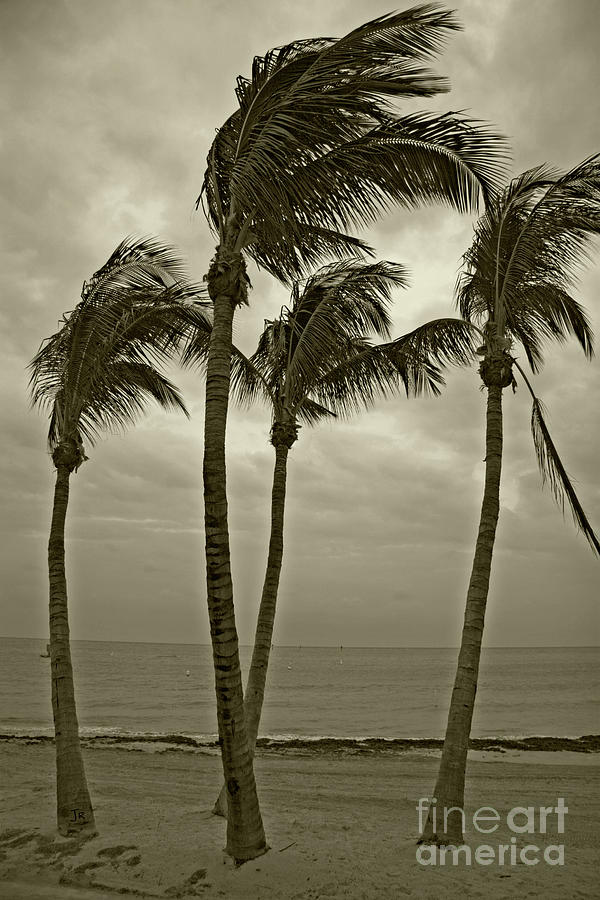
[(370, 372), (409, 162), (317, 144), (341, 300), (554, 473), (414, 360), (294, 88), (136, 264), (311, 412), (445, 341), (552, 468), (248, 382)]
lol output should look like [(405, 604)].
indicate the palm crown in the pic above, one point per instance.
[(302, 357), (317, 145), (316, 359), (527, 249), (97, 372), (517, 283)]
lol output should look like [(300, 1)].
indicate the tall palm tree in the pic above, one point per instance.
[(314, 362), (95, 374), (314, 147), (516, 286)]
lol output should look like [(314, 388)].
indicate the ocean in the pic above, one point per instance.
[(312, 692)]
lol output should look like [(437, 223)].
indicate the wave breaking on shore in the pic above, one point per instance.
[(320, 744)]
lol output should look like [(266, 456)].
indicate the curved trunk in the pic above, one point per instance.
[(447, 827), (73, 806), (257, 675), (245, 834)]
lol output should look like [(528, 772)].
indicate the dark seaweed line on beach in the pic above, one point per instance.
[(586, 744)]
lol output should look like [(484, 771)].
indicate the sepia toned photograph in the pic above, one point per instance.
[(300, 498)]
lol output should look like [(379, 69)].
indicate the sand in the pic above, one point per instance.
[(339, 826)]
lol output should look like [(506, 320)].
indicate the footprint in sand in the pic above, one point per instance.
[(120, 855), (118, 850), (115, 857), (193, 885), (16, 837)]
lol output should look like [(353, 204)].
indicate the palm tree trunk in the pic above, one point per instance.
[(73, 805), (447, 828), (257, 675), (245, 833)]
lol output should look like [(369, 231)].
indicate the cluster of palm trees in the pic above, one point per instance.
[(316, 146)]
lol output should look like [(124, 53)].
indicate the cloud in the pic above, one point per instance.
[(111, 109)]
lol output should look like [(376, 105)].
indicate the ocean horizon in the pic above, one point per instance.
[(18, 637)]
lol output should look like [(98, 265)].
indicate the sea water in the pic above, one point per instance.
[(354, 692)]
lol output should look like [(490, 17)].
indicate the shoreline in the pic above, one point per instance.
[(321, 744)]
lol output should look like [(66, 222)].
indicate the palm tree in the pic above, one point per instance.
[(314, 147), (97, 373), (516, 285), (314, 362)]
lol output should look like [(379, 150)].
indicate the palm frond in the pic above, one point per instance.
[(132, 318), (140, 271), (371, 372), (376, 48), (317, 143), (194, 350), (554, 473), (121, 398), (413, 161), (546, 312), (136, 330), (137, 264), (445, 341), (407, 161), (341, 301), (552, 469), (318, 350), (413, 361), (311, 413), (317, 243), (248, 383), (527, 251), (350, 74)]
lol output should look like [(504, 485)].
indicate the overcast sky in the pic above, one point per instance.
[(108, 112)]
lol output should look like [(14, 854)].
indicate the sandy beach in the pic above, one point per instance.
[(338, 824)]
